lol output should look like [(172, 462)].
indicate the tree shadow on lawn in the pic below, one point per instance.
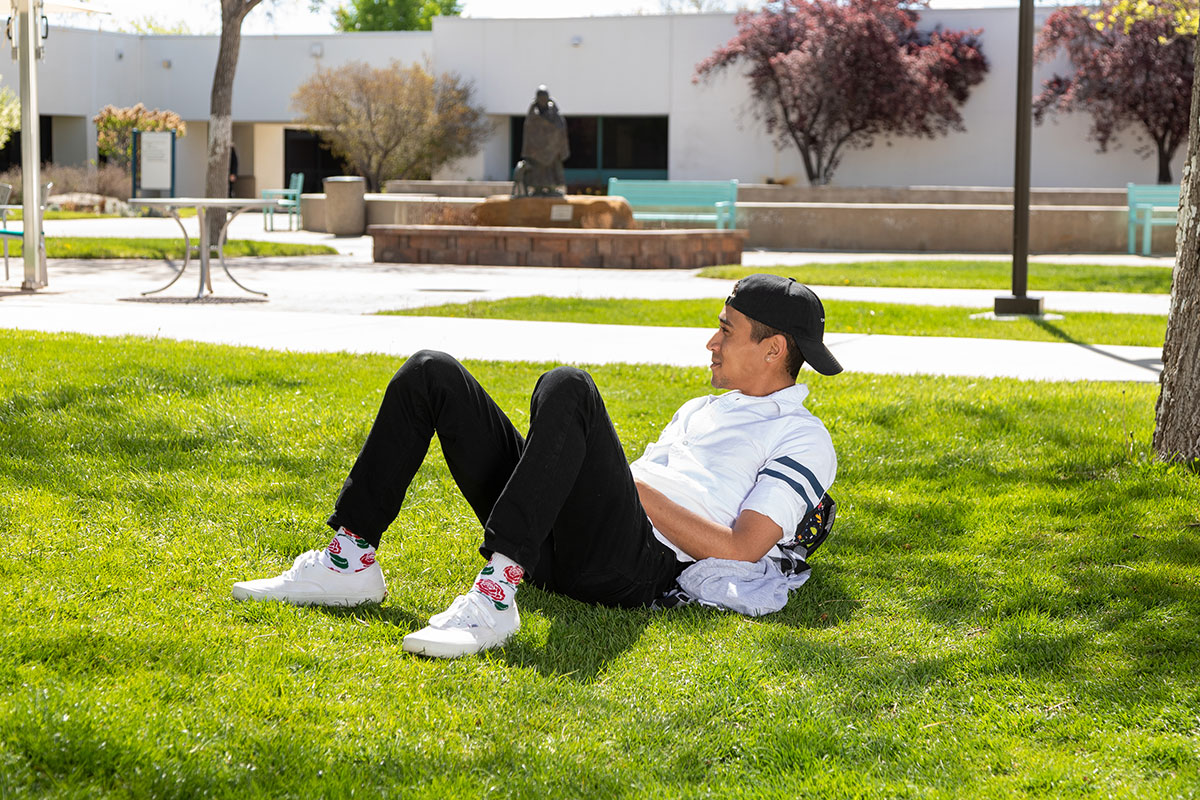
[(1153, 365), (583, 639)]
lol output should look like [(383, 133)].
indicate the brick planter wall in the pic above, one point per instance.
[(558, 247)]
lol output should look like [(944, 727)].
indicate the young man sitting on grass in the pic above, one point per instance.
[(730, 475)]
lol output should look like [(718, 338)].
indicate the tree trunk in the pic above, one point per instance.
[(1177, 416), (1164, 162), (220, 111)]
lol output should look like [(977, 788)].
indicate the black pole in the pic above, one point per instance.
[(1018, 302)]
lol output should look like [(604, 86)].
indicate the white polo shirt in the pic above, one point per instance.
[(722, 454)]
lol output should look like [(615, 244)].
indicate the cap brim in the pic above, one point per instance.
[(817, 356)]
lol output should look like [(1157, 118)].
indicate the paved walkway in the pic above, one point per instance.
[(320, 304)]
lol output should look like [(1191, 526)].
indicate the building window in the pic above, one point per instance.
[(10, 155), (607, 147)]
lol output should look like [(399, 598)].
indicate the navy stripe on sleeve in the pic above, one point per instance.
[(806, 472), (808, 504)]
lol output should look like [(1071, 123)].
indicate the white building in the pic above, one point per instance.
[(624, 83)]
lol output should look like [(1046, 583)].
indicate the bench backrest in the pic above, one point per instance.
[(1156, 194), (674, 193)]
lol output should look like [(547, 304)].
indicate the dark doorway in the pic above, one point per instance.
[(304, 152), (10, 154)]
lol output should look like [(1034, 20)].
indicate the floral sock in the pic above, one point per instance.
[(348, 553), (498, 581)]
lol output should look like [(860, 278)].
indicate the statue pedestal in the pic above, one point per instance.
[(547, 247), (571, 211)]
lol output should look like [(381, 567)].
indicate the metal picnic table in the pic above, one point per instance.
[(202, 205)]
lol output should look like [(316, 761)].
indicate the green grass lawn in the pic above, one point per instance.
[(841, 316), (1008, 606), (938, 274), (113, 247), (17, 214)]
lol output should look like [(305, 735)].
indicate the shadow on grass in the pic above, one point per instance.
[(1149, 364), (584, 639)]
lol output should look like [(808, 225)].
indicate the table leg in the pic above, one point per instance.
[(205, 279), (187, 254), (221, 252)]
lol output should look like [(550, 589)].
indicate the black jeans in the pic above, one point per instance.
[(560, 501)]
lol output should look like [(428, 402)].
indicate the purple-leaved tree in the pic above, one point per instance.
[(1137, 77), (831, 75)]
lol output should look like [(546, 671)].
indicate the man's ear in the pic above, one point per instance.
[(776, 348)]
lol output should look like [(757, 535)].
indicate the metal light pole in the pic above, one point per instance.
[(27, 14), (1018, 302)]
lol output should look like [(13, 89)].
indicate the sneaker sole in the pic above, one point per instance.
[(435, 650), (344, 601)]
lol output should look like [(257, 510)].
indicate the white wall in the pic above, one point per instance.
[(85, 70), (68, 140), (191, 157), (267, 166), (645, 65), (619, 66), (269, 69), (490, 163)]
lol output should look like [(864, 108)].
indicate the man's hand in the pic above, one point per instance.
[(751, 536)]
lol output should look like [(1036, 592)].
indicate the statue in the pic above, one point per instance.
[(539, 173)]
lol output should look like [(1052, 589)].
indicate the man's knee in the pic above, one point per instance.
[(429, 365), (564, 382)]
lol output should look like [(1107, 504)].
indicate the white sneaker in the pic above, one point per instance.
[(470, 625), (311, 583)]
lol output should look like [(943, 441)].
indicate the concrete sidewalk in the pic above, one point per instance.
[(249, 324), (350, 283), (323, 304)]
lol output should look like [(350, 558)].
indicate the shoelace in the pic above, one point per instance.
[(302, 562), (465, 612)]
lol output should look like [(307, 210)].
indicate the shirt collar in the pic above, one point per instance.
[(787, 399)]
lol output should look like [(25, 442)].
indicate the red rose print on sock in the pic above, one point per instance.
[(335, 546), (368, 559), (513, 575), (489, 589)]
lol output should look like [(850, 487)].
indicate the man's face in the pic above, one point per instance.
[(738, 362)]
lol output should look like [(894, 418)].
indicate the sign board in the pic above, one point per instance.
[(156, 150), (560, 213)]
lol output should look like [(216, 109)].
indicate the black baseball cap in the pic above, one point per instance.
[(791, 307)]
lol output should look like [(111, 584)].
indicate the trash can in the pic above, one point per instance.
[(345, 206)]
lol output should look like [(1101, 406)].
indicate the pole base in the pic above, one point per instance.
[(1011, 304)]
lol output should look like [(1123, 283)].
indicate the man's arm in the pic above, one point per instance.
[(751, 536)]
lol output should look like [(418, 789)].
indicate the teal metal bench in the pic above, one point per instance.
[(679, 201), (285, 200), (1150, 207)]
